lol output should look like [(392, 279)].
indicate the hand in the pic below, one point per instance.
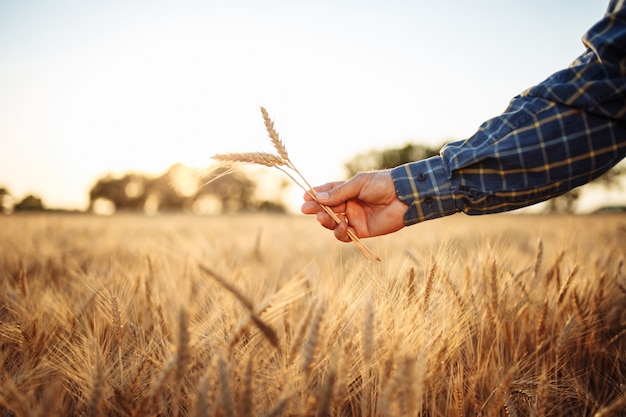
[(367, 204)]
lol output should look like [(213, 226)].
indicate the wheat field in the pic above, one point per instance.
[(259, 315)]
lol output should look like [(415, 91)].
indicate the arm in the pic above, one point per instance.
[(535, 151), (555, 136)]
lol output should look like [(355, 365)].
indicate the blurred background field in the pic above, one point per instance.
[(269, 315)]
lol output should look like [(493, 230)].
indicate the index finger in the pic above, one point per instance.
[(320, 188)]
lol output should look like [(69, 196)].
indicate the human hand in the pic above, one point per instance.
[(367, 204)]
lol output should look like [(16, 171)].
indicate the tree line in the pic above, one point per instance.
[(218, 190), (179, 189)]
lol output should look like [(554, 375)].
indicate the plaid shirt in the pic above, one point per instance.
[(553, 137)]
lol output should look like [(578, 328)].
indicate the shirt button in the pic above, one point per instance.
[(428, 200), (421, 177)]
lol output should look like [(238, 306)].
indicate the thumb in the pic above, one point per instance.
[(343, 192)]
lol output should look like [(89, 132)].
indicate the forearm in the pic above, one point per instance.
[(535, 151), (560, 134)]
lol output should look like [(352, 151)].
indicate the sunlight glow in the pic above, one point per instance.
[(88, 89)]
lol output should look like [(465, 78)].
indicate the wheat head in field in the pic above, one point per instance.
[(283, 163), (241, 316)]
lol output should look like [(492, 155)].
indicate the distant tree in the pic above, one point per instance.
[(126, 193), (567, 203), (234, 190), (6, 201), (181, 188), (389, 158), (30, 203)]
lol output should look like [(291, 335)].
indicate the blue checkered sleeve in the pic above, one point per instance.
[(558, 135)]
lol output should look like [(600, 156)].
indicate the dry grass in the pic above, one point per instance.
[(181, 316)]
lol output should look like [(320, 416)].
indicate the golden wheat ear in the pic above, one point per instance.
[(273, 134), (283, 163)]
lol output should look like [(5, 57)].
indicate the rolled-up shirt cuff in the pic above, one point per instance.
[(425, 187)]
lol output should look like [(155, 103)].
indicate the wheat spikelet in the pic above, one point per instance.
[(517, 279), (419, 384), (183, 356), (116, 314), (201, 405), (410, 396), (23, 279), (410, 285), (508, 337), (564, 336), (165, 329), (368, 332), (261, 158), (311, 345), (367, 402), (457, 295), (541, 404), (247, 394), (388, 399), (118, 325), (578, 309), (493, 280), (150, 307), (598, 299), (429, 285), (338, 326), (226, 395), (509, 406), (458, 393), (566, 284), (300, 333), (555, 270), (271, 131), (325, 395), (96, 391), (538, 258), (540, 331), (135, 385)]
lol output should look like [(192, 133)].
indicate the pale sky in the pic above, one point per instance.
[(90, 87)]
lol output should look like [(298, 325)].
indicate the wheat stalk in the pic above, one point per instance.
[(266, 329), (283, 163)]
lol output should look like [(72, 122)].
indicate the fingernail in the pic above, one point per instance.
[(322, 196)]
